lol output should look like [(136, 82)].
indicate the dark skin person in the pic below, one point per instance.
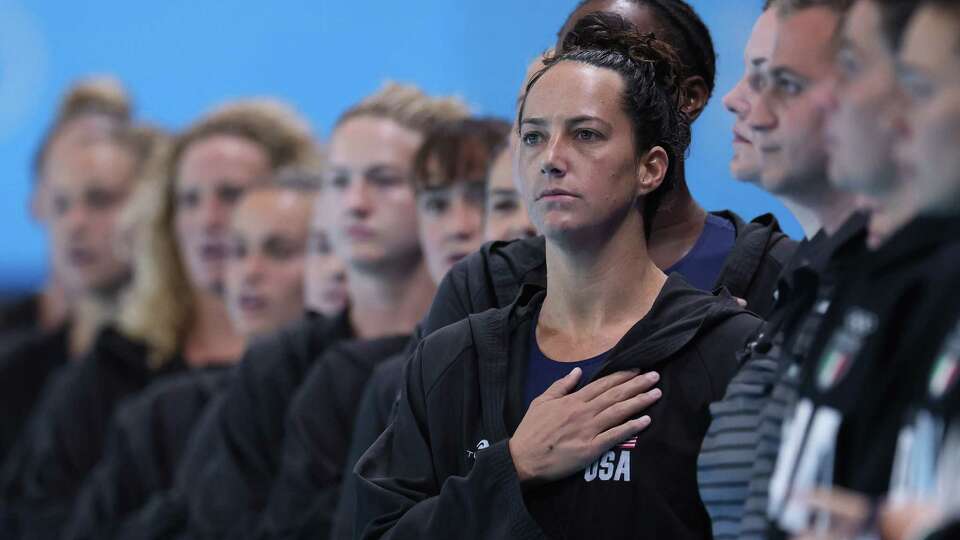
[(677, 226)]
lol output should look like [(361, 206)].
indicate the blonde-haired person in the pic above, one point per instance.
[(264, 291), (184, 248), (174, 316), (88, 109), (86, 188), (371, 204)]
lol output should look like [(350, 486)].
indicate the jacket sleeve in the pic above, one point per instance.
[(62, 445), (720, 352), (400, 494), (231, 489), (165, 513), (373, 417), (123, 479), (452, 301), (304, 496)]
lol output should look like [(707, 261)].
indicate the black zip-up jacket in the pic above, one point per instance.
[(145, 444), (26, 363), (164, 515), (233, 487), (442, 468), (319, 425), (491, 278), (65, 437), (373, 415)]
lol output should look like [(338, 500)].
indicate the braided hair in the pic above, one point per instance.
[(650, 70)]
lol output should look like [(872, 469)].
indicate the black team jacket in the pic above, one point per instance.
[(64, 438), (373, 416), (319, 425), (442, 468), (27, 361), (491, 278), (234, 487), (853, 383), (246, 434), (151, 434), (145, 444)]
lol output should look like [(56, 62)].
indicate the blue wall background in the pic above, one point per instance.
[(180, 57)]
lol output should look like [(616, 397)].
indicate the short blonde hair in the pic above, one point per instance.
[(160, 305), (409, 107)]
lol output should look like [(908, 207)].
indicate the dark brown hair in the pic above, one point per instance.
[(679, 25), (458, 150), (651, 97)]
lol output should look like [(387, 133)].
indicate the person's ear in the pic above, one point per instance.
[(696, 94), (652, 170)]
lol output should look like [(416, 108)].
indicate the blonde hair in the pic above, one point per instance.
[(159, 307), (409, 107), (148, 146), (102, 96)]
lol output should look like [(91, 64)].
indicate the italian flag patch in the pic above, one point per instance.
[(832, 368), (945, 373)]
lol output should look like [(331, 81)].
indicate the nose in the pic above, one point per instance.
[(761, 117), (465, 220), (75, 219), (356, 198), (253, 268), (553, 164), (735, 101), (213, 213)]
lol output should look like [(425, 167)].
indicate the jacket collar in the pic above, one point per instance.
[(679, 313), (915, 241)]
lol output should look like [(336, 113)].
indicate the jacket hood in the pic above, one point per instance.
[(679, 313)]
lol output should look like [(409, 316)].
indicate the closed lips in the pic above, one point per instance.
[(555, 193)]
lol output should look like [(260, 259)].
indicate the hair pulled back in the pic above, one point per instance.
[(678, 24), (652, 92)]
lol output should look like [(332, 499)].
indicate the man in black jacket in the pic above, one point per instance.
[(904, 377), (837, 431), (773, 149)]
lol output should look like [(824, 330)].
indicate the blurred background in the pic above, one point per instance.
[(178, 58)]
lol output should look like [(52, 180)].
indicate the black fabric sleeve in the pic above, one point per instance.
[(719, 351), (165, 513), (64, 442), (319, 423), (452, 301), (373, 417), (122, 480), (231, 490), (400, 496)]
